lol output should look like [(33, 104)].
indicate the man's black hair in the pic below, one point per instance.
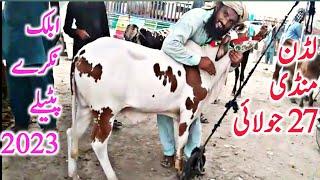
[(210, 26)]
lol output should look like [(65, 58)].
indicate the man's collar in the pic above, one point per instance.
[(208, 15)]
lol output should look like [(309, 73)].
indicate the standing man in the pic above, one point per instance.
[(271, 50), (33, 50), (91, 22), (293, 32), (201, 26)]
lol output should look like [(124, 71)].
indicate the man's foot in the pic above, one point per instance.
[(203, 119), (117, 124), (167, 161)]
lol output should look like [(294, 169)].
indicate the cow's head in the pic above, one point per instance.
[(131, 33), (241, 29), (262, 33)]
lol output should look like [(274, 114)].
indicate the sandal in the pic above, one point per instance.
[(203, 119), (167, 161), (117, 124)]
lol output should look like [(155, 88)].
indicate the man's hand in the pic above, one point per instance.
[(82, 34), (207, 65), (235, 57)]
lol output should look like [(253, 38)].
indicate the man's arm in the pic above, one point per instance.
[(67, 28), (174, 44), (104, 21)]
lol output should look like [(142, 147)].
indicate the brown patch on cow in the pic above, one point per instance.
[(167, 76), (189, 103), (182, 128), (179, 73), (86, 68), (193, 79), (311, 69), (102, 125)]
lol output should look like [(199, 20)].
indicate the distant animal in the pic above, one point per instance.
[(242, 32), (311, 71), (145, 37)]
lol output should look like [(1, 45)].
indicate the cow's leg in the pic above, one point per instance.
[(183, 133), (301, 102), (291, 69), (100, 146), (234, 90), (311, 99), (79, 125), (276, 72)]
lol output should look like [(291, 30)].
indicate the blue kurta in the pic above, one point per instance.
[(293, 31), (15, 45), (15, 16), (189, 27)]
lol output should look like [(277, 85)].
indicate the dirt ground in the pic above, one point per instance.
[(135, 150)]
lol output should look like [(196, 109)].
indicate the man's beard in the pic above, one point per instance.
[(212, 31)]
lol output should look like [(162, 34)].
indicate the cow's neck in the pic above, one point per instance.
[(221, 66)]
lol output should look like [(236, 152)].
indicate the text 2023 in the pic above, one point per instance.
[(33, 144)]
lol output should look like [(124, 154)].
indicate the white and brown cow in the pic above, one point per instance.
[(110, 75), (311, 71)]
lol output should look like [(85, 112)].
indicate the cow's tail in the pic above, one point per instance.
[(72, 74), (73, 89), (71, 132)]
